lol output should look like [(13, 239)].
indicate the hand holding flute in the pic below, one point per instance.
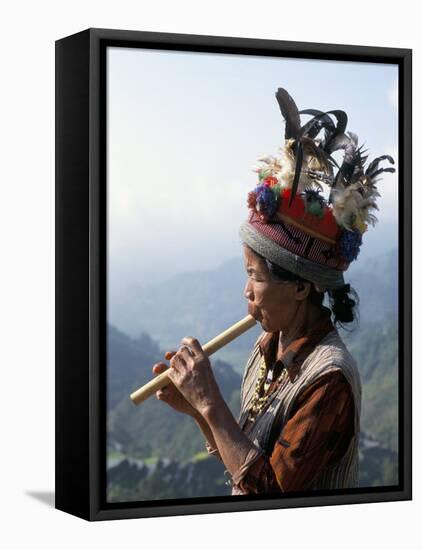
[(169, 393), (192, 375), (193, 356)]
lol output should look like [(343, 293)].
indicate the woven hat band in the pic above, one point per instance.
[(299, 241), (322, 275)]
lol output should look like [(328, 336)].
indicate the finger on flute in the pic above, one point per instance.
[(209, 348)]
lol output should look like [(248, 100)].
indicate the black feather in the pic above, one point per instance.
[(299, 160), (349, 160), (374, 164), (341, 117), (331, 130), (290, 114), (381, 170), (340, 128), (354, 138), (313, 112), (338, 142), (320, 120), (332, 161), (358, 165)]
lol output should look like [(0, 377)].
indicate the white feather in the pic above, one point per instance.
[(351, 208)]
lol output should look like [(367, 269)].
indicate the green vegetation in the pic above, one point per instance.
[(376, 353)]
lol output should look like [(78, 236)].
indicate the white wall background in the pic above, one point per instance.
[(27, 273)]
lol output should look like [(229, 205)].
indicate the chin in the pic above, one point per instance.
[(268, 327), (264, 325)]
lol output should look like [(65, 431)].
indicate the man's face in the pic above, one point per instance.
[(273, 304)]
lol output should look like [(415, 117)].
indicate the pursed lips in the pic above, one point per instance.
[(255, 314)]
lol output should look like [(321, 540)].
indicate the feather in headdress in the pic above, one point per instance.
[(310, 157), (353, 206), (306, 162)]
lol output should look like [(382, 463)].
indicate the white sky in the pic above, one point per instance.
[(185, 130)]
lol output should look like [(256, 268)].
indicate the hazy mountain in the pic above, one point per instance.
[(199, 302), (376, 281)]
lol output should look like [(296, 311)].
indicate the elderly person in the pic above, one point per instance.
[(298, 427)]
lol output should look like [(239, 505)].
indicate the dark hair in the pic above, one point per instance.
[(342, 301)]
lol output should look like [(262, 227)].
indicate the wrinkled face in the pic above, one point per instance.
[(273, 304)]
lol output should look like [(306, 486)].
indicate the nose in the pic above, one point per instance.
[(247, 291)]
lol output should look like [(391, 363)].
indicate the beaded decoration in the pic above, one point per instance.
[(258, 402)]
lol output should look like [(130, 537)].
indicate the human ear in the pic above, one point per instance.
[(303, 290)]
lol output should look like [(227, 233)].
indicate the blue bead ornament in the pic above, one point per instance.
[(350, 242), (266, 201)]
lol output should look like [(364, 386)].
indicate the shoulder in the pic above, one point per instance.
[(333, 349), (332, 364), (331, 354)]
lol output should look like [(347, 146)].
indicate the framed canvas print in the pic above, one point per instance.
[(233, 274)]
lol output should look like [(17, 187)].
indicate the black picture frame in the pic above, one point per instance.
[(81, 278)]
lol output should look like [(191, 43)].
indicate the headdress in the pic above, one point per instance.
[(290, 222)]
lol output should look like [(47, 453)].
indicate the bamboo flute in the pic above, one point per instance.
[(209, 348)]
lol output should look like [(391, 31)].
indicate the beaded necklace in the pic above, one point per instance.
[(258, 402)]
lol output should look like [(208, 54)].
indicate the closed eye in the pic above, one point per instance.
[(256, 277)]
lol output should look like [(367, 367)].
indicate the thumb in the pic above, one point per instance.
[(159, 368)]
